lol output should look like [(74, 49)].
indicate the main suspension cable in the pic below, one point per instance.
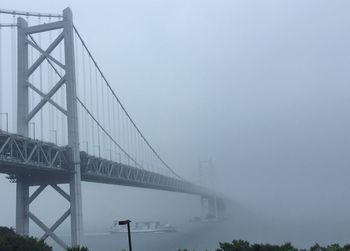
[(109, 136), (121, 105)]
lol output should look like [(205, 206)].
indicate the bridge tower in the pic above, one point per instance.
[(24, 115), (209, 204)]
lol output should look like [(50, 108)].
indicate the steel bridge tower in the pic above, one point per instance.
[(24, 115)]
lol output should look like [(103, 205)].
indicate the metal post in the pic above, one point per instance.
[(127, 222), (129, 236), (73, 133)]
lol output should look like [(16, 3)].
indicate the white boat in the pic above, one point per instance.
[(142, 227)]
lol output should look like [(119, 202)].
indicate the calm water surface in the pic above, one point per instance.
[(206, 235), (198, 236)]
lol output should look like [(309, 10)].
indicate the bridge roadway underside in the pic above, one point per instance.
[(41, 162)]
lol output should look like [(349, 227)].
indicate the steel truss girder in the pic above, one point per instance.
[(118, 173), (19, 151), (28, 154), (49, 231)]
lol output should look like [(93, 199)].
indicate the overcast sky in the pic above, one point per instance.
[(261, 87)]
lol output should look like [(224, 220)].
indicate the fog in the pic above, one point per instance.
[(260, 87)]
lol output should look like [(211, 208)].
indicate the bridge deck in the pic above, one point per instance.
[(41, 160)]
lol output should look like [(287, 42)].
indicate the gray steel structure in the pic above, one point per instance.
[(25, 157), (24, 116), (30, 162)]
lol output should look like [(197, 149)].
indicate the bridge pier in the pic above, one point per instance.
[(212, 207), (209, 207), (76, 209), (22, 206)]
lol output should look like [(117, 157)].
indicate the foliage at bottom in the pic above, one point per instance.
[(241, 245), (10, 241)]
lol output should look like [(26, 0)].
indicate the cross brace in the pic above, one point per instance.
[(49, 231)]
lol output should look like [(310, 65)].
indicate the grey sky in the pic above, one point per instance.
[(261, 87)]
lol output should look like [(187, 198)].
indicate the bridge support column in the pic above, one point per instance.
[(76, 209), (24, 116), (22, 207), (213, 207), (22, 188), (203, 207), (73, 133), (209, 207)]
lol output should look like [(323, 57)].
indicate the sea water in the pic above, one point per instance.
[(202, 236)]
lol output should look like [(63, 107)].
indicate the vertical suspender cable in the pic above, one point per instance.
[(132, 150), (91, 108), (13, 77), (130, 138), (115, 132), (126, 113), (55, 78), (64, 136), (126, 132), (114, 124), (77, 79), (84, 98), (135, 143), (143, 147), (102, 87), (123, 132), (136, 149), (109, 116), (139, 148), (127, 136), (49, 85), (1, 76), (98, 113), (118, 124), (41, 83), (31, 97)]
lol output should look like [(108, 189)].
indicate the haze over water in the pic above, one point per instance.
[(261, 87), (207, 235)]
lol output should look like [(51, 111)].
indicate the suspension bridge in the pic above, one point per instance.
[(62, 123)]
